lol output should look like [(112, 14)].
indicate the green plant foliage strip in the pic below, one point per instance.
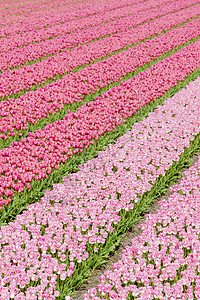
[(22, 200), (88, 98)]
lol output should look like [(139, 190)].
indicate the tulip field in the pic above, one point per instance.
[(99, 116)]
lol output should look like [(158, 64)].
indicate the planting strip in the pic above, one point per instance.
[(18, 81), (19, 41), (8, 18), (42, 50), (163, 262), (24, 5), (14, 13), (31, 110), (44, 150), (39, 22), (66, 36), (7, 14), (48, 151), (78, 223)]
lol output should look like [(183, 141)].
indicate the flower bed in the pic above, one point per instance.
[(75, 218), (43, 34), (17, 80), (38, 20), (13, 11), (89, 138), (35, 156), (163, 262), (17, 114)]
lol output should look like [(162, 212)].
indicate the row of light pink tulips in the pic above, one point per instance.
[(171, 247), (20, 79), (31, 37), (89, 198), (35, 156), (42, 19), (31, 107), (16, 57)]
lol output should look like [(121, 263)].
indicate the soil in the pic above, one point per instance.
[(133, 232)]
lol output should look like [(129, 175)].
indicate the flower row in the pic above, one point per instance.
[(35, 156), (46, 243), (16, 80), (16, 114), (12, 11), (164, 261), (19, 56), (31, 37), (38, 20)]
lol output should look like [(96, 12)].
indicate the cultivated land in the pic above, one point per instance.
[(99, 132)]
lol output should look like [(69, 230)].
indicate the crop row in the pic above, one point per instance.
[(17, 114), (35, 157), (45, 248), (62, 30), (12, 9), (16, 80), (42, 19), (19, 56), (163, 262)]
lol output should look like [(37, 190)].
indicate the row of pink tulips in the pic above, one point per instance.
[(41, 19), (35, 156), (19, 56), (8, 10), (31, 37), (170, 244), (14, 9), (31, 107), (13, 12), (88, 198), (20, 79)]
